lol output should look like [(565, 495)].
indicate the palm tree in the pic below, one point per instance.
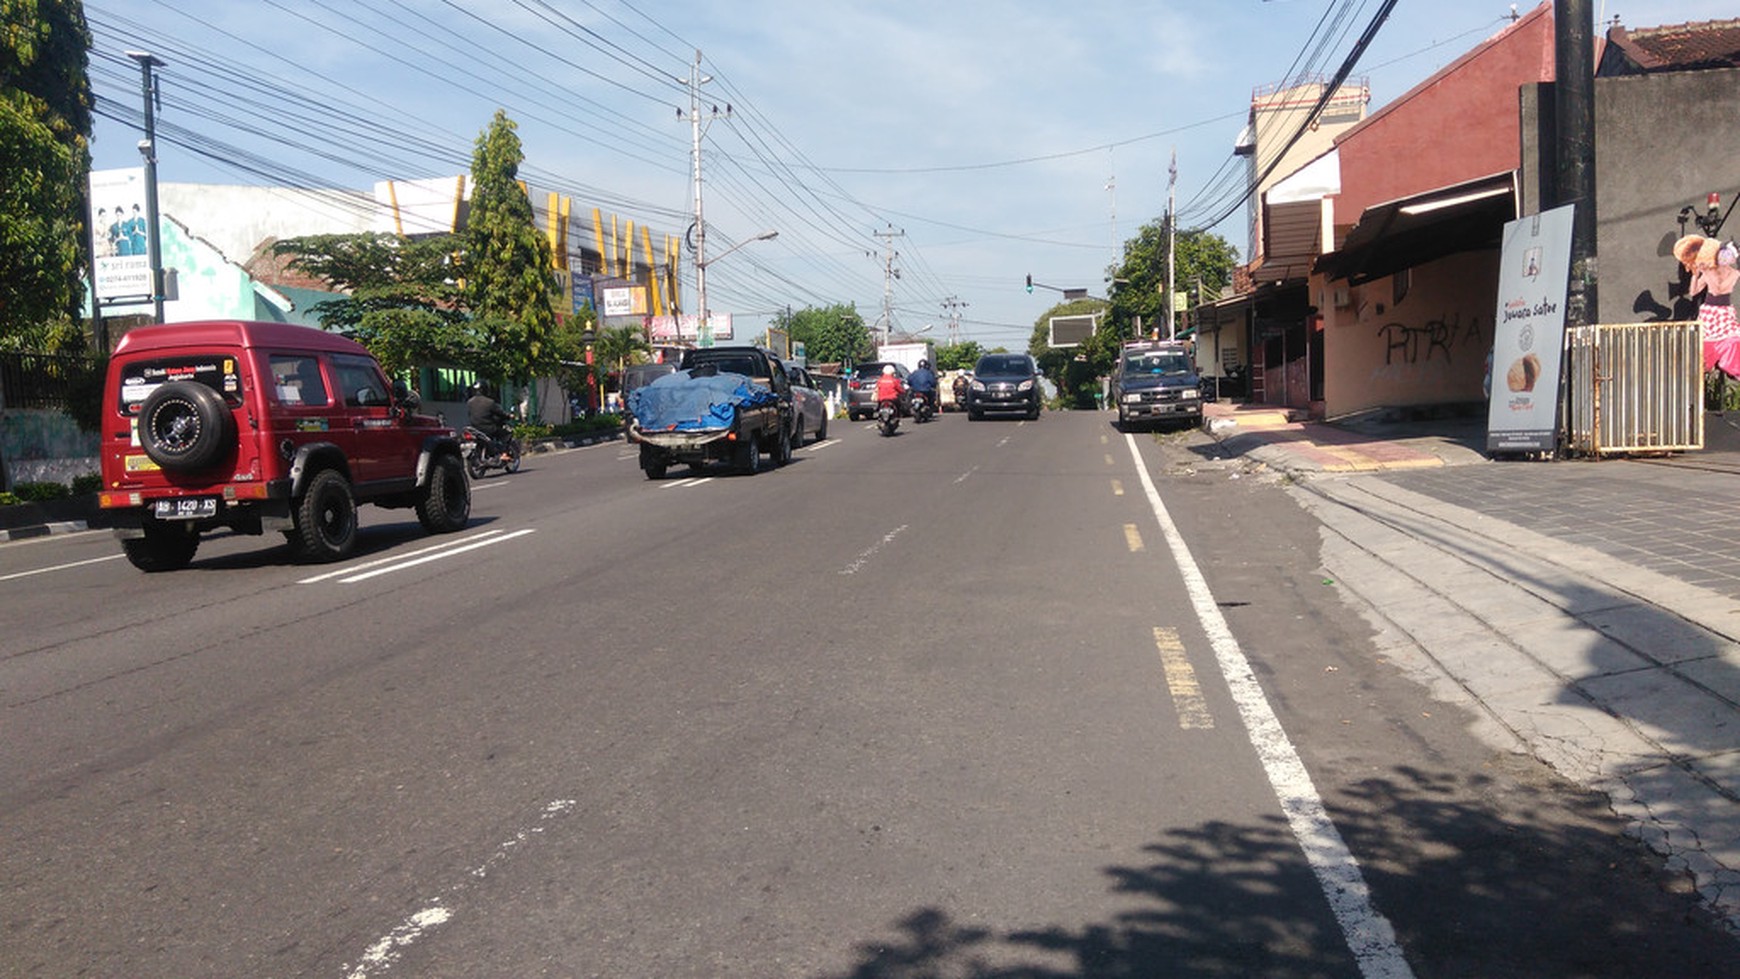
[(620, 346)]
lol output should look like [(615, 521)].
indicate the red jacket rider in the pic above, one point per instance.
[(888, 386)]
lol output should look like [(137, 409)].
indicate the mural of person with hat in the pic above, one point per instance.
[(1712, 264)]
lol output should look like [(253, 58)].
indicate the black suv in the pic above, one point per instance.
[(1004, 383), (1156, 381)]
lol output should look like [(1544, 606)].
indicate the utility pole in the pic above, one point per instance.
[(704, 326), (952, 307), (1574, 107), (1112, 188), (889, 274), (148, 149), (1171, 245)]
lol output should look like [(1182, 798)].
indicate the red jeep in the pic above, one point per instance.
[(263, 426)]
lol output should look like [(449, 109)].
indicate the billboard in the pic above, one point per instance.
[(118, 236), (1529, 333), (1072, 331), (670, 329)]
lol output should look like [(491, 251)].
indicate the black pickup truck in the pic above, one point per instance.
[(737, 432)]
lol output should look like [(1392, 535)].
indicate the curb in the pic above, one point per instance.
[(42, 530)]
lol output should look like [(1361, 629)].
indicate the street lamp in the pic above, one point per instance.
[(704, 330)]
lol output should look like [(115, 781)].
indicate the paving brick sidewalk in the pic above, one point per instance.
[(1586, 612)]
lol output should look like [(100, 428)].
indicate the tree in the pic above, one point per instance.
[(832, 334), (1139, 282), (621, 346), (45, 129), (961, 356), (509, 275), (402, 298), (1075, 370)]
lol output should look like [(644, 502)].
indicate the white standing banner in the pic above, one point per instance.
[(1529, 336), (118, 236)]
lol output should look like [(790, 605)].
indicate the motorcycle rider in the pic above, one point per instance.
[(488, 417), (923, 382), (888, 387)]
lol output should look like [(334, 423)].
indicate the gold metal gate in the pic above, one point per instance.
[(1635, 387)]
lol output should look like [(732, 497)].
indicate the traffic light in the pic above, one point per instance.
[(1029, 282)]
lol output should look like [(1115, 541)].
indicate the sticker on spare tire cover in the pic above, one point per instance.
[(217, 372)]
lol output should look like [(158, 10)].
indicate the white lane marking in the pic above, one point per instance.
[(476, 486), (830, 443), (690, 481), (398, 557), (1370, 936), (963, 476), (1003, 441), (870, 552), (451, 552), (383, 954), (60, 567)]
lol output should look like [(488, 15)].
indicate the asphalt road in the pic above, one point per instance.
[(946, 704)]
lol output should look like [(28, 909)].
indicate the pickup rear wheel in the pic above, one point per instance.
[(326, 518), (748, 456), (782, 447)]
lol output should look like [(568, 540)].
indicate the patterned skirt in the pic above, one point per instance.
[(1721, 338)]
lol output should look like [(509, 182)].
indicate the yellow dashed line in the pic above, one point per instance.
[(1133, 537), (1187, 696), (1109, 460), (1117, 487)]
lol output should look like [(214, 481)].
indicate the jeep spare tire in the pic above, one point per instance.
[(184, 425)]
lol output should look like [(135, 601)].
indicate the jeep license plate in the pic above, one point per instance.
[(196, 508)]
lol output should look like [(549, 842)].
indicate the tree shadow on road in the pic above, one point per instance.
[(1481, 877)]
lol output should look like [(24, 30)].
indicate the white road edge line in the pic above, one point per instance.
[(1370, 936), (450, 552), (396, 557)]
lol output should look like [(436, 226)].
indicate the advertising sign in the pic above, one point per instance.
[(625, 301), (118, 236), (1529, 333), (687, 327)]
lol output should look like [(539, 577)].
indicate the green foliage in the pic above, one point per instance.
[(45, 128), (959, 356), (619, 346), (1721, 392), (1139, 282), (601, 423), (830, 334), (509, 274), (568, 351), (39, 492), (88, 483)]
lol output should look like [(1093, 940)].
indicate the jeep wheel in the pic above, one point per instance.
[(184, 425), (446, 504), (326, 518), (165, 547)]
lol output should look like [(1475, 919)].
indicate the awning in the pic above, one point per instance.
[(1402, 234), (1295, 216)]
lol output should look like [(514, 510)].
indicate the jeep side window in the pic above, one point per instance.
[(296, 381), (360, 380)]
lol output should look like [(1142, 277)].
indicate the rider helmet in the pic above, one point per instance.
[(924, 364), (477, 388), (887, 368)]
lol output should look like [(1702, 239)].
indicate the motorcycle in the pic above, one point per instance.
[(483, 453), (887, 417), (923, 407)]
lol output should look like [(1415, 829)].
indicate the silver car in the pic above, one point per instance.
[(809, 406)]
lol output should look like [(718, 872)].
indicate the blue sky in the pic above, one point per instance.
[(990, 139)]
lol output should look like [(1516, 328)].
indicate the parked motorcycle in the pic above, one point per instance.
[(483, 453), (923, 407), (887, 417)]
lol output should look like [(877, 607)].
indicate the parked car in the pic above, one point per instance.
[(261, 427), (861, 389), (1004, 384), (809, 406), (1155, 381)]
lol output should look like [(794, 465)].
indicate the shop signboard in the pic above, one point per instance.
[(1529, 333)]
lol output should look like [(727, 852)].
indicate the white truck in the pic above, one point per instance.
[(907, 355)]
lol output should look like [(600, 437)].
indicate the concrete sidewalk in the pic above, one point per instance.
[(1587, 612)]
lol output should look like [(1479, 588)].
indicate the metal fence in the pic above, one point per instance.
[(1635, 387), (45, 381)]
